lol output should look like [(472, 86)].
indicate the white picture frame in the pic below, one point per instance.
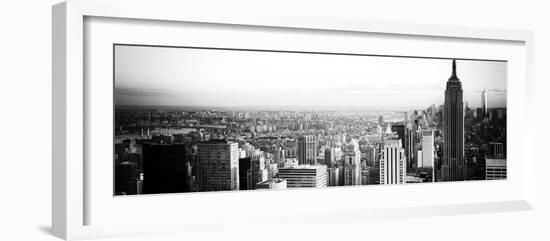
[(72, 192)]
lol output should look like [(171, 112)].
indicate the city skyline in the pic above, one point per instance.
[(184, 77), (163, 147)]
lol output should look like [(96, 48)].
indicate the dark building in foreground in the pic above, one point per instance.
[(126, 180), (166, 168), (400, 130), (244, 173), (453, 166)]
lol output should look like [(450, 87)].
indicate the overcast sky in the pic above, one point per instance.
[(202, 77)]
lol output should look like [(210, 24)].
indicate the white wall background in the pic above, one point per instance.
[(25, 119)]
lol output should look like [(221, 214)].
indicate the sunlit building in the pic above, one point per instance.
[(392, 164), (304, 176), (352, 163), (495, 169), (427, 149)]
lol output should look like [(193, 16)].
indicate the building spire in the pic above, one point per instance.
[(453, 76)]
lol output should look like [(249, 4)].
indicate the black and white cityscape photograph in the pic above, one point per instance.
[(191, 119)]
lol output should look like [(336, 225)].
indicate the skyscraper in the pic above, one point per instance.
[(400, 130), (352, 164), (452, 168), (392, 165), (126, 178), (330, 157), (218, 165), (165, 168), (410, 140), (496, 150), (333, 177), (428, 148), (484, 102), (258, 169), (307, 150), (245, 174)]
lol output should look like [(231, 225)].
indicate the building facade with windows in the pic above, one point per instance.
[(218, 166), (495, 169), (392, 164), (304, 176)]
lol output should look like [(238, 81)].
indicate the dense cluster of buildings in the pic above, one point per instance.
[(172, 150)]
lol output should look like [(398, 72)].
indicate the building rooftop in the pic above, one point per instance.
[(275, 180), (392, 142), (495, 162), (303, 167)]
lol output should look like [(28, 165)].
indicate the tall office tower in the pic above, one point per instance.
[(410, 140), (352, 164), (381, 120), (304, 176), (373, 175), (333, 177), (496, 150), (258, 168), (452, 168), (484, 102), (126, 178), (307, 150), (495, 169), (370, 155), (419, 158), (428, 148), (400, 130), (479, 113), (392, 166), (245, 174), (165, 168), (330, 157), (218, 165)]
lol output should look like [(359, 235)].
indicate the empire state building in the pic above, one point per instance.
[(453, 167)]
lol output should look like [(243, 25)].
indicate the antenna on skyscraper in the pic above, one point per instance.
[(454, 76)]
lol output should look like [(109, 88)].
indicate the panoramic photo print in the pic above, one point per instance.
[(190, 119)]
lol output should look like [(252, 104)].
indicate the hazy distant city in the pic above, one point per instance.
[(251, 124)]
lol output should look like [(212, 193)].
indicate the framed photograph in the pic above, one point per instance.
[(169, 119)]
